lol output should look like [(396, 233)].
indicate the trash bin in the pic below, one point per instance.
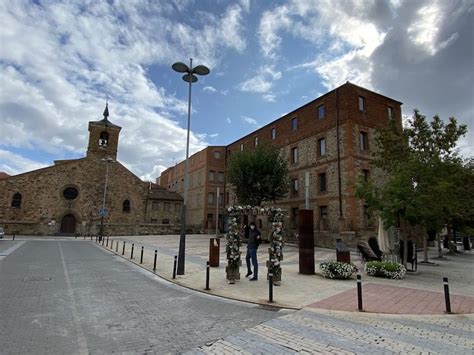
[(214, 248), (342, 252)]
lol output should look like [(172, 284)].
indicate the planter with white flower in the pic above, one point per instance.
[(385, 269), (337, 270)]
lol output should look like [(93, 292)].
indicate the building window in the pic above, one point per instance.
[(217, 154), (274, 133), (321, 112), (210, 198), (70, 193), (363, 141), (221, 198), (294, 187), (322, 146), (294, 124), (154, 206), (361, 103), (200, 178), (126, 206), (323, 217), (366, 174), (154, 220), (390, 112), (103, 139), (220, 176), (167, 206), (241, 146), (165, 221), (177, 207), (211, 175), (322, 182), (16, 200), (227, 198), (294, 155)]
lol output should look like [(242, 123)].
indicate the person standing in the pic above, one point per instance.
[(255, 238)]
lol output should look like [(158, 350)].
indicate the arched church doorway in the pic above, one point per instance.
[(68, 224)]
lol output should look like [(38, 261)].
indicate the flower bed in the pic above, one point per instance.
[(385, 269), (337, 269)]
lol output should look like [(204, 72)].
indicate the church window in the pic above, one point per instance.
[(70, 193), (154, 206), (16, 201), (104, 139), (126, 206)]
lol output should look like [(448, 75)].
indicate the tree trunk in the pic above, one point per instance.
[(405, 248), (440, 250), (425, 246)]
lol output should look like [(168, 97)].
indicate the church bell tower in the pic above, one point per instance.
[(103, 137)]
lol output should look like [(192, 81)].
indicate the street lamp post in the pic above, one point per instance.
[(189, 77), (102, 211)]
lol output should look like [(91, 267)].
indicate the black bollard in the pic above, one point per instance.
[(13, 236), (103, 239), (359, 293), (270, 285), (208, 267), (96, 238), (112, 244), (154, 262), (116, 246), (174, 266), (107, 244), (123, 250), (91, 236), (131, 254), (446, 295), (141, 256)]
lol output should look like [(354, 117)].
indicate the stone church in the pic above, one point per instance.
[(88, 195)]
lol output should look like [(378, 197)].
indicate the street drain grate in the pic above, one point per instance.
[(37, 278)]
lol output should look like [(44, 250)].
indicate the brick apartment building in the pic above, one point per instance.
[(206, 175), (332, 139)]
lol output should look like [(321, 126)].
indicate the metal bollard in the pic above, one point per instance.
[(96, 238), (13, 236), (84, 237), (359, 293), (116, 246), (112, 244), (154, 262), (207, 275), (107, 244), (123, 250), (131, 254), (103, 239), (270, 285), (446, 295), (91, 236), (141, 256), (174, 266)]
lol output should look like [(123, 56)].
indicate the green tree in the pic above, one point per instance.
[(425, 178), (259, 175)]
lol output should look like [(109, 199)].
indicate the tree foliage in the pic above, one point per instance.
[(427, 182), (258, 175)]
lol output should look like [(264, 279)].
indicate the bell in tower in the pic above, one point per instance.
[(103, 137)]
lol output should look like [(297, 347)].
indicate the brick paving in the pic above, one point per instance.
[(312, 331), (396, 300)]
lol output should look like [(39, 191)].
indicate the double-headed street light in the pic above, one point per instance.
[(189, 77)]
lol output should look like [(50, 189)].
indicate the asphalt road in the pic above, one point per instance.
[(69, 297)]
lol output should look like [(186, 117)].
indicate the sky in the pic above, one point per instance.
[(61, 61)]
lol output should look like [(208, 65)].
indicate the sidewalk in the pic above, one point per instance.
[(298, 291)]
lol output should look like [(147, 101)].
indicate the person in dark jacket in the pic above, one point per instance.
[(254, 240)]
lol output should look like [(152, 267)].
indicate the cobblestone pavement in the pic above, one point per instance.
[(328, 332), (71, 297)]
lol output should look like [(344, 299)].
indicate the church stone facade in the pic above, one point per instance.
[(67, 198)]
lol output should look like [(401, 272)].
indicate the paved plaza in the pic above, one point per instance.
[(67, 296)]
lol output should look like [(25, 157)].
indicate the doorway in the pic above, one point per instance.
[(68, 224)]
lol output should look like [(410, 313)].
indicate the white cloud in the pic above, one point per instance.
[(13, 164), (262, 82), (269, 97), (60, 60), (209, 89), (250, 121), (229, 121), (256, 84)]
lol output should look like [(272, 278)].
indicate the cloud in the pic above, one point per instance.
[(250, 121), (13, 164), (59, 61), (209, 89), (229, 121), (262, 82)]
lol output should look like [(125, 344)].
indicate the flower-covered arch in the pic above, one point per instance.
[(233, 238)]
